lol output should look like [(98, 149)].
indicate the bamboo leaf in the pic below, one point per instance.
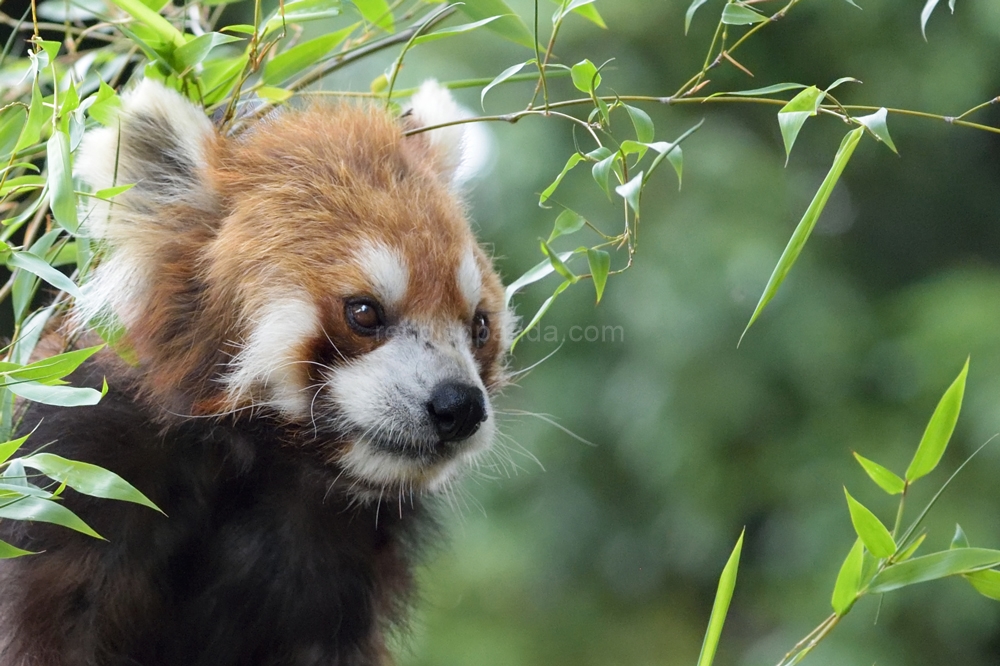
[(870, 529), (959, 540), (500, 78), (689, 14), (793, 115), (586, 78), (568, 222), (541, 312), (723, 595), (86, 478), (455, 30), (8, 551), (736, 14), (573, 160), (29, 262), (886, 479), (876, 123), (806, 224), (845, 590), (9, 448), (600, 266), (538, 272), (558, 265), (377, 12), (932, 567), (62, 195), (285, 65), (632, 191), (939, 429), (147, 17), (510, 26), (35, 509), (60, 396), (986, 582)]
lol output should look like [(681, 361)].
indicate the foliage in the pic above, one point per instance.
[(241, 71)]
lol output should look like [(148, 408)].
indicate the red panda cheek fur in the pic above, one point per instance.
[(270, 555)]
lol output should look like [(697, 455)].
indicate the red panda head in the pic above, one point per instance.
[(317, 271)]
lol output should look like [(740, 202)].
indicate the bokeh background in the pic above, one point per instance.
[(610, 556), (608, 553)]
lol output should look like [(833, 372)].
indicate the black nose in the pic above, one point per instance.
[(456, 410)]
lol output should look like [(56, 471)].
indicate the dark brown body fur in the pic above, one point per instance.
[(260, 561)]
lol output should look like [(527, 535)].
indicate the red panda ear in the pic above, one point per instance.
[(451, 148), (161, 144)]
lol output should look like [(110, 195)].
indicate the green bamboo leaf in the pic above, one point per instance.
[(908, 552), (9, 448), (723, 595), (86, 478), (538, 272), (53, 367), (12, 120), (689, 14), (8, 551), (871, 530), (877, 125), (959, 540), (62, 196), (805, 226), (845, 590), (301, 11), (500, 78), (587, 11), (60, 396), (568, 222), (643, 124), (558, 265), (29, 262), (600, 266), (793, 115), (585, 76), (22, 185), (454, 30), (939, 429), (147, 17), (510, 26), (886, 480), (377, 12), (986, 582), (541, 312), (195, 51), (632, 191), (735, 14), (573, 160), (35, 509), (109, 193), (106, 104), (932, 567), (286, 65), (572, 6), (31, 131), (602, 172), (759, 92)]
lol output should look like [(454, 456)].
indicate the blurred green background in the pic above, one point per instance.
[(610, 556)]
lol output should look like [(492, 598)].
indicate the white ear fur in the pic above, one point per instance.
[(159, 145), (460, 150)]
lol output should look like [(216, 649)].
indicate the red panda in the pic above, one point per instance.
[(318, 336)]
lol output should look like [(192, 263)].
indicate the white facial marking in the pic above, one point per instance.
[(270, 357), (470, 280), (387, 272), (381, 402)]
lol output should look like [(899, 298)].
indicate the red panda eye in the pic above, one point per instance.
[(480, 330), (364, 315)]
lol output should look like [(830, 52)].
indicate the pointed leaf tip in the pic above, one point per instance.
[(870, 529), (939, 429)]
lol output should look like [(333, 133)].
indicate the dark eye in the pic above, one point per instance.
[(480, 330), (364, 315)]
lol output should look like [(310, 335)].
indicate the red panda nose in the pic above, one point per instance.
[(456, 410)]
